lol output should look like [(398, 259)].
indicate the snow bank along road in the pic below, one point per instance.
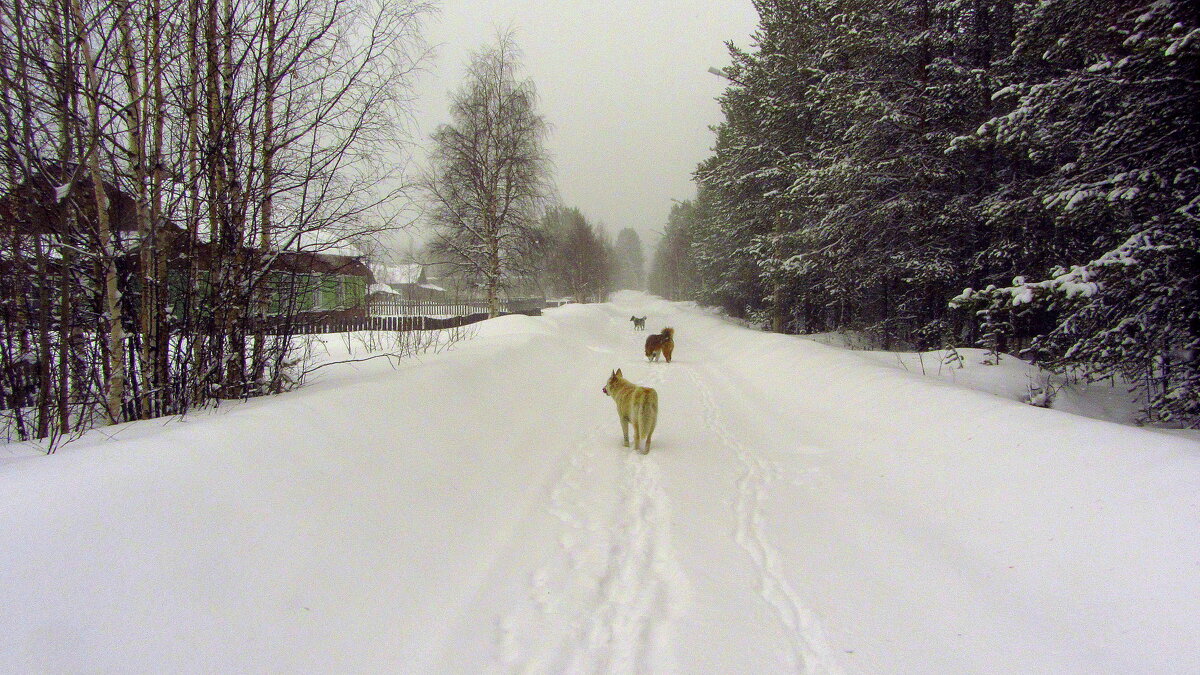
[(802, 510)]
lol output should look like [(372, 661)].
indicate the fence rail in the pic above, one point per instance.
[(389, 307), (401, 315), (390, 323)]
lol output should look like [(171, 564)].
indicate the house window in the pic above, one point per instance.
[(317, 292), (199, 293), (328, 293), (282, 293), (307, 292), (354, 291)]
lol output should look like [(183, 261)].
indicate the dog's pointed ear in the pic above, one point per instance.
[(618, 373)]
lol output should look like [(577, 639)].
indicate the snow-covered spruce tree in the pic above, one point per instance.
[(894, 212), (1106, 191), (722, 246), (489, 176), (766, 138), (865, 182), (830, 171)]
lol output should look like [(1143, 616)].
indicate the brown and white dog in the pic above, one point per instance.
[(635, 404), (663, 343)]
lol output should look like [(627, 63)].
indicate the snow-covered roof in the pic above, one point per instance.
[(382, 288), (398, 274)]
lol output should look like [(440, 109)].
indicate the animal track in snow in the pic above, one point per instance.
[(607, 602), (807, 648), (640, 586)]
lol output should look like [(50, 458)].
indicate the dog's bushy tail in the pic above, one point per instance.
[(669, 332)]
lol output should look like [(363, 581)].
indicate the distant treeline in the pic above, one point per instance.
[(1018, 174)]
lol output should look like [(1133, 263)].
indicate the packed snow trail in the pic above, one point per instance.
[(802, 510)]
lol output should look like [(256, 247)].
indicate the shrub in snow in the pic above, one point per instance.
[(1041, 394), (953, 358)]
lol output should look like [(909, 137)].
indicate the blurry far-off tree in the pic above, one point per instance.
[(579, 259), (630, 261)]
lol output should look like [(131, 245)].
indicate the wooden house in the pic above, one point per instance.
[(409, 282), (55, 211)]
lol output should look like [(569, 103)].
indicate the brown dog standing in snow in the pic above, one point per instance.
[(664, 342), (634, 404)]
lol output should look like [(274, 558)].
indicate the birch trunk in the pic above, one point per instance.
[(115, 387)]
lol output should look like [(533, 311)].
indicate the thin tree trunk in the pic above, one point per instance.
[(494, 280), (66, 150), (236, 294), (193, 386), (263, 296), (115, 386), (157, 275), (215, 169), (146, 251)]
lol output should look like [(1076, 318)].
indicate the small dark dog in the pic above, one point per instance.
[(664, 342), (638, 324)]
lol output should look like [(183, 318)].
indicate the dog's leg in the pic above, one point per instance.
[(649, 418), (625, 429), (637, 437)]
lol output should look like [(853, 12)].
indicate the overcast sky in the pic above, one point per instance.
[(623, 84)]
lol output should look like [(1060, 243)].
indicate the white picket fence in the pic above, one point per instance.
[(386, 307)]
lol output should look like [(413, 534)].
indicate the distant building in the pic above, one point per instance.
[(35, 215), (407, 282)]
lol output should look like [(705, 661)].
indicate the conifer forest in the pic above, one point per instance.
[(1019, 175)]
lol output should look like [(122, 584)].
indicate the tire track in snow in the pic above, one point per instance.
[(807, 649), (607, 604)]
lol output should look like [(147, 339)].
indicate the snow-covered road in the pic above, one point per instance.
[(804, 509)]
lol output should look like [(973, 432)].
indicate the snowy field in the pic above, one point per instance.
[(803, 509)]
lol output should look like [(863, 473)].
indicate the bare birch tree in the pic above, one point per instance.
[(489, 177)]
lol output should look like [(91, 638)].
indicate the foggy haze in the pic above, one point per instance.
[(624, 86)]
